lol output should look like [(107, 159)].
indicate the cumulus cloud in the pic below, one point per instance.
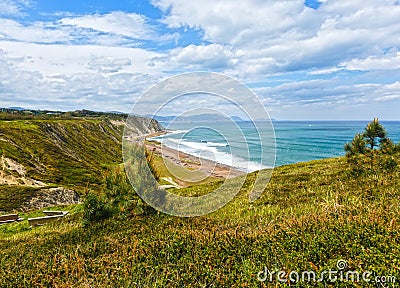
[(328, 92), (212, 56), (331, 99), (78, 86), (54, 32), (276, 36), (343, 53), (67, 59), (112, 29)]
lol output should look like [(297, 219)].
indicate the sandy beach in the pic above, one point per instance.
[(194, 163)]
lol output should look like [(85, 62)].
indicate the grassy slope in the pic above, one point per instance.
[(177, 173), (310, 216), (71, 153)]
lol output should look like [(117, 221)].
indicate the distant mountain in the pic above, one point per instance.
[(265, 120), (17, 108), (237, 119), (207, 117), (162, 118), (203, 118), (116, 112)]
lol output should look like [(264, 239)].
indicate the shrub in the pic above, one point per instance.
[(95, 209), (152, 166), (122, 196)]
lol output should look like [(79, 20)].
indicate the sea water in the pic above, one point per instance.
[(239, 145)]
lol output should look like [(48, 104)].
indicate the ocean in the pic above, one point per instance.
[(240, 145)]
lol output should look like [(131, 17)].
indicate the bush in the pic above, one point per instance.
[(144, 175), (95, 209), (122, 195), (119, 199)]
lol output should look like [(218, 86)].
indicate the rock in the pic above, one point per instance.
[(52, 197), (137, 126)]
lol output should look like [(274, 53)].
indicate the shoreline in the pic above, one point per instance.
[(191, 162)]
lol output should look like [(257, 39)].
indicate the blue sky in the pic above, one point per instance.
[(304, 59)]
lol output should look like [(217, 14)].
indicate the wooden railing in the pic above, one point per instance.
[(50, 217), (9, 218)]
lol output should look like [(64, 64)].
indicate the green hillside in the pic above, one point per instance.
[(310, 216), (69, 153)]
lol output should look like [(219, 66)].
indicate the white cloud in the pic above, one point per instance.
[(211, 56), (38, 32), (328, 92), (119, 23), (90, 60), (62, 59), (62, 76), (331, 99), (113, 29), (385, 62), (13, 7), (109, 64), (278, 36), (389, 92)]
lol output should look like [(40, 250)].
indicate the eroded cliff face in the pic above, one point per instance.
[(68, 154), (139, 126)]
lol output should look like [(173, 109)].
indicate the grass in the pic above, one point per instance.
[(22, 228), (13, 197), (310, 216), (69, 153), (179, 174)]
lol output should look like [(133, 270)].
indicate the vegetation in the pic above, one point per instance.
[(31, 114), (363, 156), (119, 199), (95, 209), (366, 142), (374, 131), (13, 197), (69, 153), (310, 216)]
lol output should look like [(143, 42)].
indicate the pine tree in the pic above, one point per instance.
[(356, 146), (362, 145), (373, 131)]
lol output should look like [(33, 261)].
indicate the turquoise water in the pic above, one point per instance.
[(241, 146)]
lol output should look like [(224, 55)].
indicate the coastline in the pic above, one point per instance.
[(192, 163)]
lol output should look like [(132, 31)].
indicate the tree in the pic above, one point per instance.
[(387, 146), (373, 131), (363, 157), (357, 146)]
